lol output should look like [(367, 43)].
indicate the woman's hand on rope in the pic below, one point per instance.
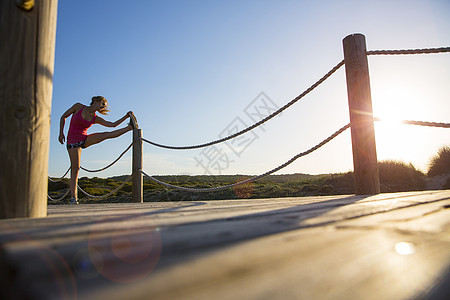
[(61, 138), (116, 123)]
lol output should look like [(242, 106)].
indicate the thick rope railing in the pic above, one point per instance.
[(213, 189), (419, 123), (409, 51), (110, 193), (429, 124), (307, 91), (87, 170), (104, 168), (59, 178), (98, 170), (262, 121), (89, 195), (58, 199)]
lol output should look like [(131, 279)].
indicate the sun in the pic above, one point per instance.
[(410, 88), (395, 140), (397, 104)]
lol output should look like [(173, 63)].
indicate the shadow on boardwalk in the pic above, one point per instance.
[(81, 249)]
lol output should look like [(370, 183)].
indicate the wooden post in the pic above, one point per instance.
[(137, 180), (27, 51), (365, 163)]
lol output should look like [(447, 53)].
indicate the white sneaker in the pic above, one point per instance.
[(73, 201)]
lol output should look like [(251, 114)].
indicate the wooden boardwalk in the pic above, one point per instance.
[(388, 246)]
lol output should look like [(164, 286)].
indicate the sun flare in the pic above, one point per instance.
[(395, 140), (396, 105)]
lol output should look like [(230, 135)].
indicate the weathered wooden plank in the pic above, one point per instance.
[(256, 219), (189, 223), (309, 264), (339, 247), (328, 262)]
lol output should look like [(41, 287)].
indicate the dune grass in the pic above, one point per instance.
[(440, 163), (395, 176)]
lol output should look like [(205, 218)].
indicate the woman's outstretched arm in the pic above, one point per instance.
[(62, 121), (103, 122)]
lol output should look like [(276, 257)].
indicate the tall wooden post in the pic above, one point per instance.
[(365, 163), (137, 179), (27, 50)]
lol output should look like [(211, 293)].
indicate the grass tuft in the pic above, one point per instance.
[(440, 163)]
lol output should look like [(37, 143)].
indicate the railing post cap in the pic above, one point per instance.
[(354, 34), (353, 37)]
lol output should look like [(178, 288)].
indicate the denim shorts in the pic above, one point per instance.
[(81, 144)]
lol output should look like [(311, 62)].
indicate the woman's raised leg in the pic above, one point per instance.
[(96, 138), (74, 155)]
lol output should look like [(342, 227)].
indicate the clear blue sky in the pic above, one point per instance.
[(191, 70)]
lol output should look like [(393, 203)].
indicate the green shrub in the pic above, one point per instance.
[(96, 191), (440, 163), (326, 190), (396, 176), (150, 186), (342, 184), (60, 185), (310, 189), (128, 187)]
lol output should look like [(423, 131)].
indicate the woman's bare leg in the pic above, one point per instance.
[(96, 138), (74, 155)]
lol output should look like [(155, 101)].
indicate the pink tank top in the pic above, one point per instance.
[(78, 127)]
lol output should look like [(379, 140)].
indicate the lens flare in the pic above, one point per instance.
[(245, 190), (404, 248), (124, 255)]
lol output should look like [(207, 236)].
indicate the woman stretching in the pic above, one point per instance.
[(82, 118)]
